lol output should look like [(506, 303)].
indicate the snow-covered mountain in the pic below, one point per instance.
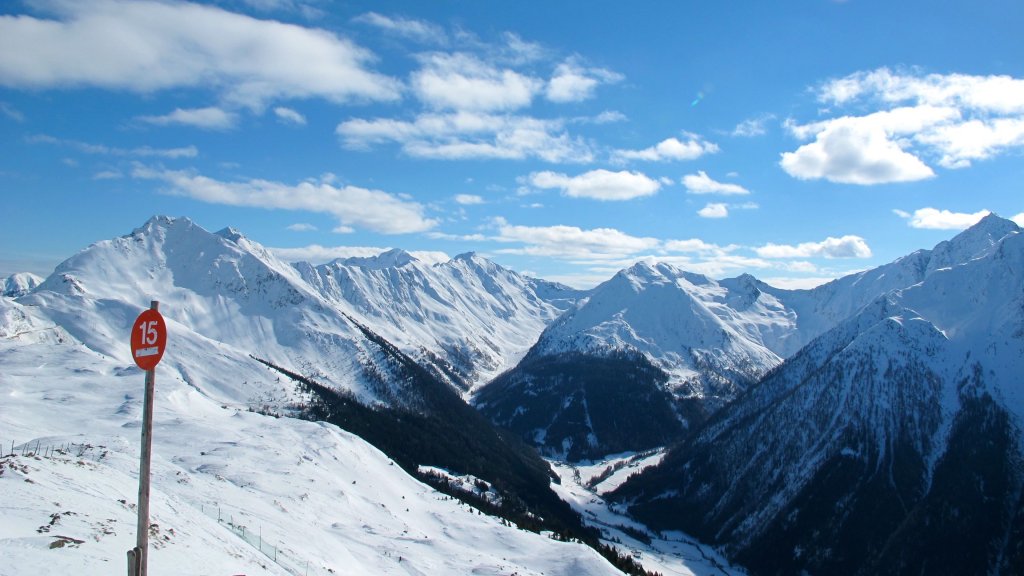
[(892, 443), (650, 351), (19, 284), (672, 341), (233, 491), (469, 317)]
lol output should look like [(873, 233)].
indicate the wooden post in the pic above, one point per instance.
[(142, 536)]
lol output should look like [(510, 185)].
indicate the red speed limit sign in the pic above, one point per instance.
[(149, 338)]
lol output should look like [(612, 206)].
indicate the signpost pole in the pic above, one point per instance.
[(142, 536)]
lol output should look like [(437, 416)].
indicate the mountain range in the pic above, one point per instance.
[(851, 428), (889, 444)]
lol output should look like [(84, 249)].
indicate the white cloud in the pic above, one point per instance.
[(670, 149), (108, 175), (1019, 219), (468, 199), (302, 227), (609, 117), (714, 210), (934, 219), (464, 82), (351, 205), (211, 118), (701, 183), (102, 149), (845, 247), (571, 242), (697, 245), (952, 119), (598, 184), (417, 30), (147, 46), (11, 112), (573, 82), (289, 116), (462, 135), (753, 126)]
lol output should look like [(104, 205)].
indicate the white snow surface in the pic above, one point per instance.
[(319, 500)]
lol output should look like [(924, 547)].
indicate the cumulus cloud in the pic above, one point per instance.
[(464, 82), (468, 199), (714, 210), (289, 116), (670, 149), (598, 184), (1019, 219), (148, 46), (353, 206), (573, 82), (210, 118), (302, 227), (701, 183), (463, 135), (934, 219), (845, 247), (952, 120)]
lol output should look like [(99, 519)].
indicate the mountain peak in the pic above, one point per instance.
[(231, 234), (972, 242), (393, 258)]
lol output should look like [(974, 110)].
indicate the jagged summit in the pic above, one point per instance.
[(393, 258)]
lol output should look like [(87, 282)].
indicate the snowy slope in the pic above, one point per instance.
[(468, 315), (317, 499), (908, 414)]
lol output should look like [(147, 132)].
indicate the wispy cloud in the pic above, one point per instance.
[(598, 184), (302, 227), (574, 82), (102, 149), (571, 242), (353, 206), (935, 219), (701, 183), (417, 30), (462, 135), (209, 118), (669, 149), (11, 112), (468, 199), (289, 116), (753, 127)]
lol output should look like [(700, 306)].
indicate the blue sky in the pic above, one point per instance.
[(796, 141)]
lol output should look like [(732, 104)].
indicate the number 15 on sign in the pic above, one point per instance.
[(148, 339)]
